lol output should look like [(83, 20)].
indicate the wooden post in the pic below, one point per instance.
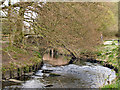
[(33, 68), (21, 73), (10, 74), (30, 69), (18, 72), (3, 76), (13, 73), (36, 68), (24, 70)]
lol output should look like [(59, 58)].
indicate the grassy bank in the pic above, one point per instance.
[(113, 85), (108, 52), (18, 57)]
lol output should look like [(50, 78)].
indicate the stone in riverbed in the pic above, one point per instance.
[(54, 74), (48, 86), (47, 71)]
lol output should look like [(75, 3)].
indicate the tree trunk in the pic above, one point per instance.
[(9, 20), (19, 36)]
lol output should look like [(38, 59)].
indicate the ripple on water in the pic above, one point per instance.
[(34, 83), (72, 76), (92, 74)]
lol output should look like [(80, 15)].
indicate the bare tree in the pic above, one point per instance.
[(73, 26)]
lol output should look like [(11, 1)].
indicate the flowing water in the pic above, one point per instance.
[(56, 74)]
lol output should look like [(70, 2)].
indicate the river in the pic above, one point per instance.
[(55, 73)]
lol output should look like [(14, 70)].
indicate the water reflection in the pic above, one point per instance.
[(56, 61)]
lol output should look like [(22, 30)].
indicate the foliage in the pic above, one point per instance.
[(77, 26), (109, 53), (35, 60), (113, 85), (15, 50), (15, 57), (74, 24), (38, 54)]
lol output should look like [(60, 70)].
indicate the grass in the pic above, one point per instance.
[(19, 57), (35, 60), (109, 53), (15, 50), (113, 85)]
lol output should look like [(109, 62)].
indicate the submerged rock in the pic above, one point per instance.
[(54, 74), (47, 71), (48, 86)]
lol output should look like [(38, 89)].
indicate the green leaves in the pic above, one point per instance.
[(99, 53), (109, 53), (111, 56), (38, 54)]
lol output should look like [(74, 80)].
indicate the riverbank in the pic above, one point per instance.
[(17, 61), (25, 60), (81, 74), (107, 55), (108, 52)]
